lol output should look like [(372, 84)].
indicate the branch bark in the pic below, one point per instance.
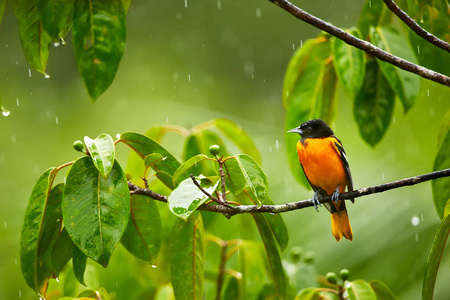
[(233, 210), (415, 27), (361, 44)]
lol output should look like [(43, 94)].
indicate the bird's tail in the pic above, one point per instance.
[(340, 224)]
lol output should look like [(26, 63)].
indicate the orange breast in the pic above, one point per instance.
[(322, 164)]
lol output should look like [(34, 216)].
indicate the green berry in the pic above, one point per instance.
[(129, 177), (309, 257), (331, 277), (296, 253), (79, 146), (344, 274), (214, 150)]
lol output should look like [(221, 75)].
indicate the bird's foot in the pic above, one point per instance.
[(335, 195), (316, 201)]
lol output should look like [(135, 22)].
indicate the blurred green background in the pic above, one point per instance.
[(186, 65)]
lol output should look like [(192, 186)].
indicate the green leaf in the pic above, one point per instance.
[(191, 149), (34, 222), (382, 290), (187, 197), (152, 159), (79, 264), (440, 187), (55, 15), (2, 9), (188, 258), (373, 13), (231, 289), (327, 107), (308, 294), (273, 255), (238, 136), (374, 105), (144, 146), (62, 251), (182, 170), (166, 179), (34, 39), (252, 269), (99, 32), (405, 84), (277, 226), (360, 289), (244, 174), (349, 63), (303, 93), (164, 292), (142, 237), (102, 152), (434, 258), (126, 5), (95, 210)]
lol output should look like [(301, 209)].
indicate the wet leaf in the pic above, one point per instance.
[(244, 174), (99, 32), (382, 290), (349, 63), (308, 294), (188, 258), (2, 9), (62, 251), (303, 93), (231, 289), (102, 152), (360, 289), (79, 264), (30, 239), (435, 256), (238, 136), (142, 237), (34, 39), (152, 159), (55, 15), (192, 162), (187, 197), (440, 186), (405, 84), (95, 210), (126, 5), (192, 148), (374, 105), (145, 146), (166, 179), (373, 13)]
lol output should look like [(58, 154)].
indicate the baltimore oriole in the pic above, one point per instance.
[(325, 164)]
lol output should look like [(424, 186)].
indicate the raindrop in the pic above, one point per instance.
[(6, 224), (415, 220), (428, 92), (57, 121), (421, 217), (5, 112), (6, 46), (167, 120), (276, 144), (17, 62), (270, 149), (272, 213), (301, 43), (57, 279), (418, 49), (154, 266), (293, 46), (382, 175), (185, 3), (56, 44), (219, 4), (29, 72), (46, 76), (238, 275), (393, 119), (370, 4), (258, 12), (118, 135), (20, 294), (13, 139), (17, 101), (63, 41), (189, 76)]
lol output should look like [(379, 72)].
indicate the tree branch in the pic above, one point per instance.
[(415, 27), (361, 44), (233, 210)]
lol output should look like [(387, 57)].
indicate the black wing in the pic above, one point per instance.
[(346, 165)]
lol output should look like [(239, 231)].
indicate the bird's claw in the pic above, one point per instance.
[(335, 195), (316, 201)]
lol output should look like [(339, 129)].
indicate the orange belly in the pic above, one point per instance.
[(322, 164)]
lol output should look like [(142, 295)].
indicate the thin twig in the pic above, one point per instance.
[(415, 27), (203, 190), (222, 179), (223, 260), (361, 44), (233, 210)]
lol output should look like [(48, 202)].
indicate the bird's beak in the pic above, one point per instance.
[(296, 130)]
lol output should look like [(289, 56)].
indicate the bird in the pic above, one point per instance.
[(324, 162)]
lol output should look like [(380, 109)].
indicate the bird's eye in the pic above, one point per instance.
[(308, 128)]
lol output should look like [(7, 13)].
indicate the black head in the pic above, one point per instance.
[(313, 129)]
